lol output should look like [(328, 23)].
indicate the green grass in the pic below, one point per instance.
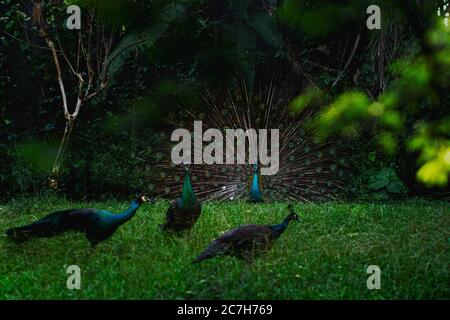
[(323, 256)]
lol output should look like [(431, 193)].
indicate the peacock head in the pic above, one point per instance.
[(186, 169), (142, 199), (292, 215), (255, 168)]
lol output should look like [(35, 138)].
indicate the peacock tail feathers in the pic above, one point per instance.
[(309, 169)]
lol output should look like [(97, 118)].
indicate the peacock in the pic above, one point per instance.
[(184, 211), (247, 241), (309, 169), (255, 187), (97, 225)]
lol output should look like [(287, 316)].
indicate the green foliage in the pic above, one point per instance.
[(386, 179), (243, 30), (324, 256), (143, 39), (435, 153), (308, 98), (418, 90), (323, 17), (184, 45), (37, 154), (267, 29), (343, 114)]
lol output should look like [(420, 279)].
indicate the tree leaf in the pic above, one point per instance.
[(143, 39), (267, 29)]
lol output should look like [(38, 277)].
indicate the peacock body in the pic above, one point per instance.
[(247, 241), (97, 225), (255, 194), (184, 211), (309, 169)]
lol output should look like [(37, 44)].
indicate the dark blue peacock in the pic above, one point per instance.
[(309, 169), (97, 225), (185, 210), (247, 241)]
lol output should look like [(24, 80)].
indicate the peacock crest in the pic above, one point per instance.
[(309, 169)]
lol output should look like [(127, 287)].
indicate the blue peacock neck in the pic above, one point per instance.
[(121, 218), (188, 197), (278, 229), (255, 192)]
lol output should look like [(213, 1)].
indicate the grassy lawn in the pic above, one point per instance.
[(323, 256)]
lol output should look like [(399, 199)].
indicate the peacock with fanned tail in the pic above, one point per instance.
[(97, 225), (247, 241), (185, 210), (309, 169)]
